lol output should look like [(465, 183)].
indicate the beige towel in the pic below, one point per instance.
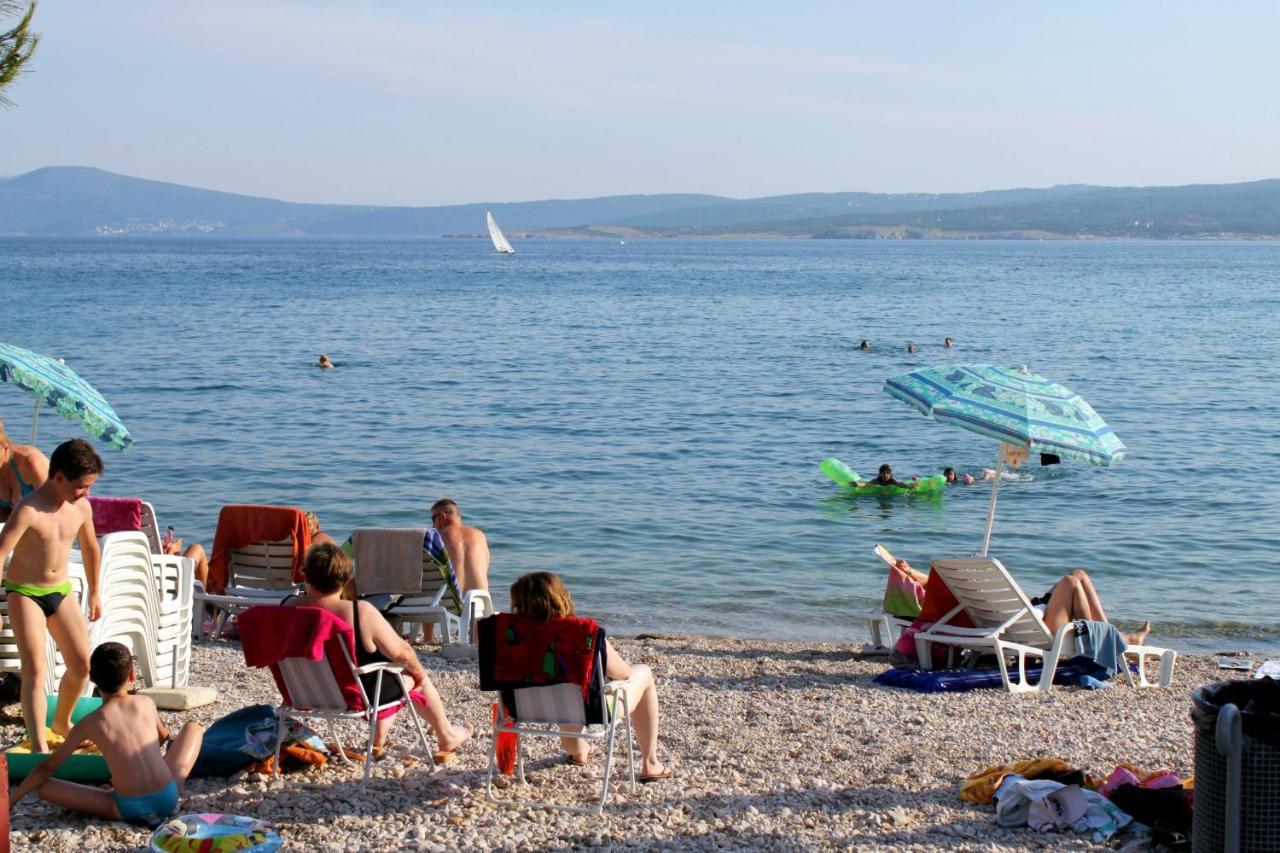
[(388, 559)]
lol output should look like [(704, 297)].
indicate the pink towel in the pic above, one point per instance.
[(113, 515)]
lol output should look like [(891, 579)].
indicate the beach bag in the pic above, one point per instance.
[(236, 741)]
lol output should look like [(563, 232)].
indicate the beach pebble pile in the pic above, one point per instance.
[(774, 746)]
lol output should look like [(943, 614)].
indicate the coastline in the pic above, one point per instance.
[(775, 745)]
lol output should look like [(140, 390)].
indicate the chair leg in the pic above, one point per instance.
[(368, 750), (417, 724), (280, 726), (337, 742)]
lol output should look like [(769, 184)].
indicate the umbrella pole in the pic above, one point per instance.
[(35, 416), (991, 509)]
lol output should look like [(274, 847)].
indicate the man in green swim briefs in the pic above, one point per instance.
[(39, 534)]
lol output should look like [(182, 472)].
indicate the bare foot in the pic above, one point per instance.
[(1139, 637), (458, 735)]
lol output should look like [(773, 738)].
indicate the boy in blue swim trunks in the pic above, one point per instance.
[(128, 731), (39, 535)]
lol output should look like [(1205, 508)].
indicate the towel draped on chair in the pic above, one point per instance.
[(114, 515), (244, 524), (517, 651), (389, 559)]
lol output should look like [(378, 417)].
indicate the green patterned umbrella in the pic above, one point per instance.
[(61, 388), (1024, 411)]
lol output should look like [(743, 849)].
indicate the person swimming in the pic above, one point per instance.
[(911, 347), (949, 474), (946, 342), (885, 478), (324, 363), (865, 345)]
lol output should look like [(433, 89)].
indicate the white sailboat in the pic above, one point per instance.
[(500, 244)]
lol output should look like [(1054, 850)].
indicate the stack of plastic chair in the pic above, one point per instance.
[(174, 583)]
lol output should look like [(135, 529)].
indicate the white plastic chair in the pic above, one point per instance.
[(259, 573), (1007, 625)]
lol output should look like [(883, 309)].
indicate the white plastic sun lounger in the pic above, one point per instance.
[(1007, 625)]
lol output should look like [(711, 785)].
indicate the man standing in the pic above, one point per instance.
[(467, 546)]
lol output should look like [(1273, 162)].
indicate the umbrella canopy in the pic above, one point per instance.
[(1014, 406), (61, 388)]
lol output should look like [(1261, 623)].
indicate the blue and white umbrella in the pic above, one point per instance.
[(1022, 410), (61, 388)]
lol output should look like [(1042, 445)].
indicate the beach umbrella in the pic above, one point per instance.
[(61, 388), (1023, 411)]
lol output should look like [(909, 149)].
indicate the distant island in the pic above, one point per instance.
[(75, 201)]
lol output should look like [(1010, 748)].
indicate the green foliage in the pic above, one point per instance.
[(16, 45)]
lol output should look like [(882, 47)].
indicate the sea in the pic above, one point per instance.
[(647, 418)]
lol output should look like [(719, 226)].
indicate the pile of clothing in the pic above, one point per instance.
[(1048, 795)]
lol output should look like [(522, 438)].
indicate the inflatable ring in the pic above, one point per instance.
[(215, 833), (842, 475)]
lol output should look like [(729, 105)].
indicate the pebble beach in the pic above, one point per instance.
[(775, 746)]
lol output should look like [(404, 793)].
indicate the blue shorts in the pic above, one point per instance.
[(151, 809)]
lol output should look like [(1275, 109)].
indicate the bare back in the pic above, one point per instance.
[(469, 553), (44, 530), (127, 730)]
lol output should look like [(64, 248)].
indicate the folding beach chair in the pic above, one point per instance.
[(311, 654), (552, 684), (1007, 625)]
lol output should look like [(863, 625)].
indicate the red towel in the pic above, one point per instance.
[(269, 633), (113, 515), (938, 602), (243, 524), (534, 652)]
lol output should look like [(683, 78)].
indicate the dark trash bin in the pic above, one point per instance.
[(1237, 795)]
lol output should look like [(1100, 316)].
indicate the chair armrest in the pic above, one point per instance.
[(374, 667)]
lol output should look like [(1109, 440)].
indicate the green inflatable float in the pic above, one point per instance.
[(842, 475)]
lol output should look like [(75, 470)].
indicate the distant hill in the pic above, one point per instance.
[(80, 201)]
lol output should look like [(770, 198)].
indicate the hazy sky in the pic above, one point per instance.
[(419, 103)]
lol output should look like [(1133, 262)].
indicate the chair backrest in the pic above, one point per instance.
[(310, 652), (262, 565), (991, 597), (151, 527), (548, 671)]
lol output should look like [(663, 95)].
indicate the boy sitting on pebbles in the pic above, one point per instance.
[(128, 731)]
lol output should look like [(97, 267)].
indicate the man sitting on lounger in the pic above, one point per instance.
[(467, 546)]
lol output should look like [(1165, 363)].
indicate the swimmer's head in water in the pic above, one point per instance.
[(324, 361), (886, 471), (864, 345), (949, 474), (946, 342)]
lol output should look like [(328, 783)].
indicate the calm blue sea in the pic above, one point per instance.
[(647, 419)]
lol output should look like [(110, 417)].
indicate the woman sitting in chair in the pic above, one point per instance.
[(541, 595), (1074, 597), (326, 571)]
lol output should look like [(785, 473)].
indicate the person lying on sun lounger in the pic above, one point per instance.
[(1075, 597)]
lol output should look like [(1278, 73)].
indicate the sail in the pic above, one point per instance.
[(499, 239)]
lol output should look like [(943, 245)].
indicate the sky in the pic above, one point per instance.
[(407, 102)]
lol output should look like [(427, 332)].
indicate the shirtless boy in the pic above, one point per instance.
[(467, 546), (128, 731), (39, 535)]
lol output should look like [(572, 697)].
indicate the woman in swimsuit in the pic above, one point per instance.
[(1074, 597), (23, 469), (326, 571)]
